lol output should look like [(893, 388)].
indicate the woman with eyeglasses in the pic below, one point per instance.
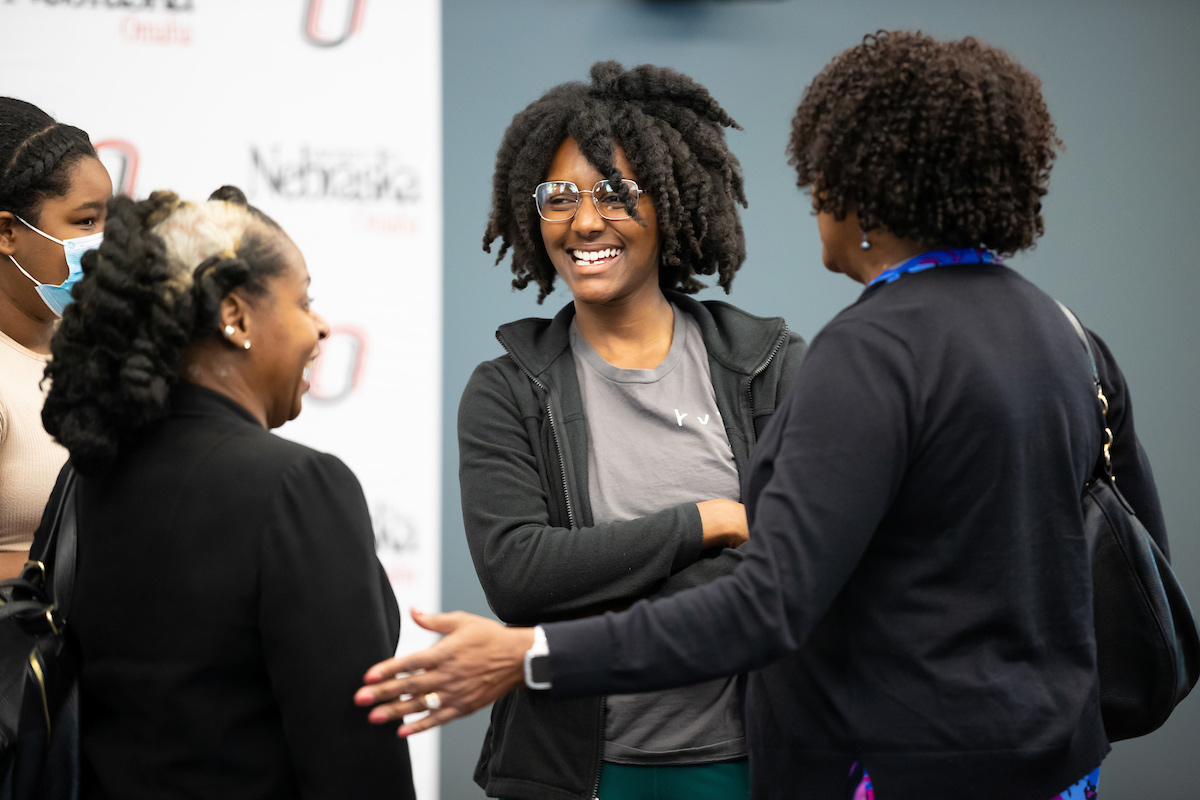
[(917, 609), (53, 191), (600, 456)]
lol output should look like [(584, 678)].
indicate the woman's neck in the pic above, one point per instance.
[(206, 364), (32, 334), (635, 334), (886, 252)]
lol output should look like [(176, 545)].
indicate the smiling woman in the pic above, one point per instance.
[(192, 335), (53, 191), (600, 252), (600, 457)]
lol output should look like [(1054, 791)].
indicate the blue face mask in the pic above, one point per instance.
[(58, 297)]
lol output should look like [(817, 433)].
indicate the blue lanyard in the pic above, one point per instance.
[(936, 258)]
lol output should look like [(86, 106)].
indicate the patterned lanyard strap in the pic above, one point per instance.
[(936, 258)]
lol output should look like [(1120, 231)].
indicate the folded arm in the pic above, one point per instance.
[(530, 569)]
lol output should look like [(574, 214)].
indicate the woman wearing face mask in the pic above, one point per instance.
[(227, 596), (53, 191), (600, 457)]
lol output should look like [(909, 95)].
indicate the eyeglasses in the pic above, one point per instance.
[(557, 201)]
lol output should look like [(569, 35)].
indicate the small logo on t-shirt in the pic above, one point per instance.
[(679, 417)]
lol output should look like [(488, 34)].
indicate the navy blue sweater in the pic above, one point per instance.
[(919, 593)]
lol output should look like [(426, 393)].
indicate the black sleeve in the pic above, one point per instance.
[(327, 613), (712, 564), (834, 472), (530, 570), (1130, 465)]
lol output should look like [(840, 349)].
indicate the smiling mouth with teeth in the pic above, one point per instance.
[(593, 256)]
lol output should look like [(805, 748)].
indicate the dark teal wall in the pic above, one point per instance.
[(1122, 80)]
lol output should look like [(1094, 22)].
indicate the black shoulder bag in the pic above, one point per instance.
[(39, 699), (1147, 644)]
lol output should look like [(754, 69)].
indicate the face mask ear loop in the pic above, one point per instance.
[(36, 282), (40, 232)]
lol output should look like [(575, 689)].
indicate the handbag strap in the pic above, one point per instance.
[(1091, 354), (29, 609), (47, 592), (62, 585)]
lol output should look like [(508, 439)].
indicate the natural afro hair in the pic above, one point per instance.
[(944, 143), (36, 154), (671, 131), (152, 288)]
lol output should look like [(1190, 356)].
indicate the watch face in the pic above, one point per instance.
[(539, 669)]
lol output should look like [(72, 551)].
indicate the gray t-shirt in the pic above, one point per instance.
[(655, 440)]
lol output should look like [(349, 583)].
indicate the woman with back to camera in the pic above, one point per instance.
[(600, 457), (227, 594), (917, 604), (53, 191)]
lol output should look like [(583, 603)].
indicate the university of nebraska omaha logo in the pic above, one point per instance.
[(120, 158), (328, 23)]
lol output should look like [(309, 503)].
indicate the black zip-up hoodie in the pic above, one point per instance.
[(523, 476)]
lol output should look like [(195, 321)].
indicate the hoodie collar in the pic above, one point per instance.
[(735, 339)]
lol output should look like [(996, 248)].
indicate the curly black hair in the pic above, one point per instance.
[(943, 143), (671, 130), (152, 288), (36, 154)]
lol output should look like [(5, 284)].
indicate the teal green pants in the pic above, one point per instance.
[(724, 780)]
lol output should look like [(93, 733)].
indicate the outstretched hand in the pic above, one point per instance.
[(476, 662)]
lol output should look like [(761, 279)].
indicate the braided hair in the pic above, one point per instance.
[(944, 143), (671, 130), (36, 154), (153, 288)]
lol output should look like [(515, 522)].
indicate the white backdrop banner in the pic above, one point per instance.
[(327, 113)]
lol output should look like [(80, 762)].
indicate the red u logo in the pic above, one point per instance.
[(316, 29), (338, 370), (120, 158)]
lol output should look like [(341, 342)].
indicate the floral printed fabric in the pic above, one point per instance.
[(1086, 788)]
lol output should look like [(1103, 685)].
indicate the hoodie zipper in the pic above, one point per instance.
[(600, 755), (570, 520), (562, 466), (761, 367)]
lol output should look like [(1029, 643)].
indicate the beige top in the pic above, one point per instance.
[(29, 458)]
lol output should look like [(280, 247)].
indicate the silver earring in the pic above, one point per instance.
[(865, 244), (246, 345), (228, 331)]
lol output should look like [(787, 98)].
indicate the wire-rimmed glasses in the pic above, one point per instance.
[(557, 201)]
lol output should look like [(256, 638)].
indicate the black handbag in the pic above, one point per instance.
[(1147, 643), (39, 670)]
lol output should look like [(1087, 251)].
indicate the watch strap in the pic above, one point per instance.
[(537, 661)]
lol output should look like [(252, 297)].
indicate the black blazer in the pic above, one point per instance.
[(228, 601)]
